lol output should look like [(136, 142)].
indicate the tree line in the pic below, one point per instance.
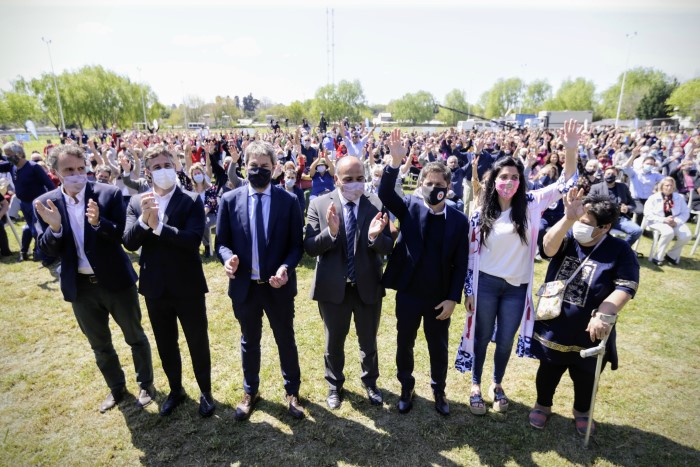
[(93, 97)]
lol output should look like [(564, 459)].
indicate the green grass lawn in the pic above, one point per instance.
[(50, 389)]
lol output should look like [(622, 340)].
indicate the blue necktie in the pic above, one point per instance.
[(260, 236), (350, 240)]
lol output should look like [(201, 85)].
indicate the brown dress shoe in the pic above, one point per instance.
[(296, 410), (245, 407), (113, 398)]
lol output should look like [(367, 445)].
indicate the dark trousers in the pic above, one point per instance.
[(582, 374), (280, 313), (29, 229), (192, 313), (4, 242), (409, 312), (639, 209), (336, 323), (92, 307)]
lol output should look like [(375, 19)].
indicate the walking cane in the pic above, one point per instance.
[(599, 352), (12, 227)]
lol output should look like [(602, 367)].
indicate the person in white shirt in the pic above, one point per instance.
[(667, 212)]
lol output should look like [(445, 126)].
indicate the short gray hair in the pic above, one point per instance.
[(260, 148), (69, 149), (14, 148)]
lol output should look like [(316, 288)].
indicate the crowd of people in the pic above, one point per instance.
[(484, 207)]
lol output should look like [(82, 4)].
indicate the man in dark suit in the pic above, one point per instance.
[(167, 224), (259, 241), (427, 269), (347, 232), (620, 194), (96, 274)]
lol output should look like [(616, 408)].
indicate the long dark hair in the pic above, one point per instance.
[(491, 210)]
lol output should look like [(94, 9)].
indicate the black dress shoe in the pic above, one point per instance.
[(675, 262), (333, 400), (146, 396), (657, 262), (245, 407), (406, 401), (206, 405), (296, 410), (112, 399), (174, 399), (374, 394), (23, 257), (441, 405)]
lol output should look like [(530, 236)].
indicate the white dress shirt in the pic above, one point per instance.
[(252, 206), (163, 202), (75, 207)]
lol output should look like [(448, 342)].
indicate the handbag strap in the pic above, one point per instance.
[(580, 266)]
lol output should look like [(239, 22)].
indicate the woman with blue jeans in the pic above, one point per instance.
[(502, 247)]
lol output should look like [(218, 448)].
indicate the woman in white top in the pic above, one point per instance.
[(502, 247), (666, 211)]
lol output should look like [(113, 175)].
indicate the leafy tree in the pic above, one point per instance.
[(504, 95), (346, 99), (537, 93), (637, 84), (195, 108), (685, 99), (295, 112), (414, 108), (250, 104), (578, 94), (653, 104), (455, 99)]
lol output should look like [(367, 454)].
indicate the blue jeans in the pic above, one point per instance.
[(497, 300), (632, 230)]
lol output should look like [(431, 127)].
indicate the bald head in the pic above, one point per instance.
[(349, 169)]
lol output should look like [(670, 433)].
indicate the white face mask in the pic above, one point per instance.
[(164, 178), (290, 182), (75, 183), (583, 233), (321, 169), (353, 190), (376, 180), (198, 178)]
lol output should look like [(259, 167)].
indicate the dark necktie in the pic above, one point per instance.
[(260, 235), (350, 240)]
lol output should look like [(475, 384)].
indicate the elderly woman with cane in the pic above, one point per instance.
[(601, 275)]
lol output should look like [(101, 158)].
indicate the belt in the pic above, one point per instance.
[(259, 282), (91, 278), (555, 346), (352, 285)]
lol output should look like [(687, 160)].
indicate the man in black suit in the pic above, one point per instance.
[(167, 224), (96, 274), (347, 232), (427, 270), (259, 241), (619, 194)]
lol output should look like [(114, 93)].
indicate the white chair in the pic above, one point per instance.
[(655, 241), (411, 180)]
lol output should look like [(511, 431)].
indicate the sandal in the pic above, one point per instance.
[(538, 418), (500, 401), (477, 404), (581, 425)]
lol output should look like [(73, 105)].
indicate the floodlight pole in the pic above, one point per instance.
[(624, 76), (55, 83)]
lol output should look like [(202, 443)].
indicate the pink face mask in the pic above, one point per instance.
[(507, 188)]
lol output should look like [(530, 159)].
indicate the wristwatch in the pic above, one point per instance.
[(607, 319)]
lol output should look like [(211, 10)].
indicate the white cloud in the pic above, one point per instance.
[(94, 28), (242, 47), (197, 40)]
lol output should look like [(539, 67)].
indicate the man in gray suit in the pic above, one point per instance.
[(349, 235)]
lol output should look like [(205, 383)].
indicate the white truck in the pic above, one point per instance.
[(478, 125), (555, 119)]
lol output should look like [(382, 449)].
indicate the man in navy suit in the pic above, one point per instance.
[(167, 223), (427, 269), (259, 241), (96, 274)]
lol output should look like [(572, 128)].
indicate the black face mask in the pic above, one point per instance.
[(693, 172), (259, 177), (434, 195), (14, 160), (610, 178)]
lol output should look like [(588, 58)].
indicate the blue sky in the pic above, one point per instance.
[(278, 49)]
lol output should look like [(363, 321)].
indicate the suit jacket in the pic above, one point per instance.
[(170, 263), (623, 195), (103, 246), (331, 256), (284, 239), (413, 216)]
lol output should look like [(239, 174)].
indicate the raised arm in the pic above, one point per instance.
[(570, 137)]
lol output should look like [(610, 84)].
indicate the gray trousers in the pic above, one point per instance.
[(92, 309), (336, 323)]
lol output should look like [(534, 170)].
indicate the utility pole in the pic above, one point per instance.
[(624, 76), (143, 104), (55, 83)]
